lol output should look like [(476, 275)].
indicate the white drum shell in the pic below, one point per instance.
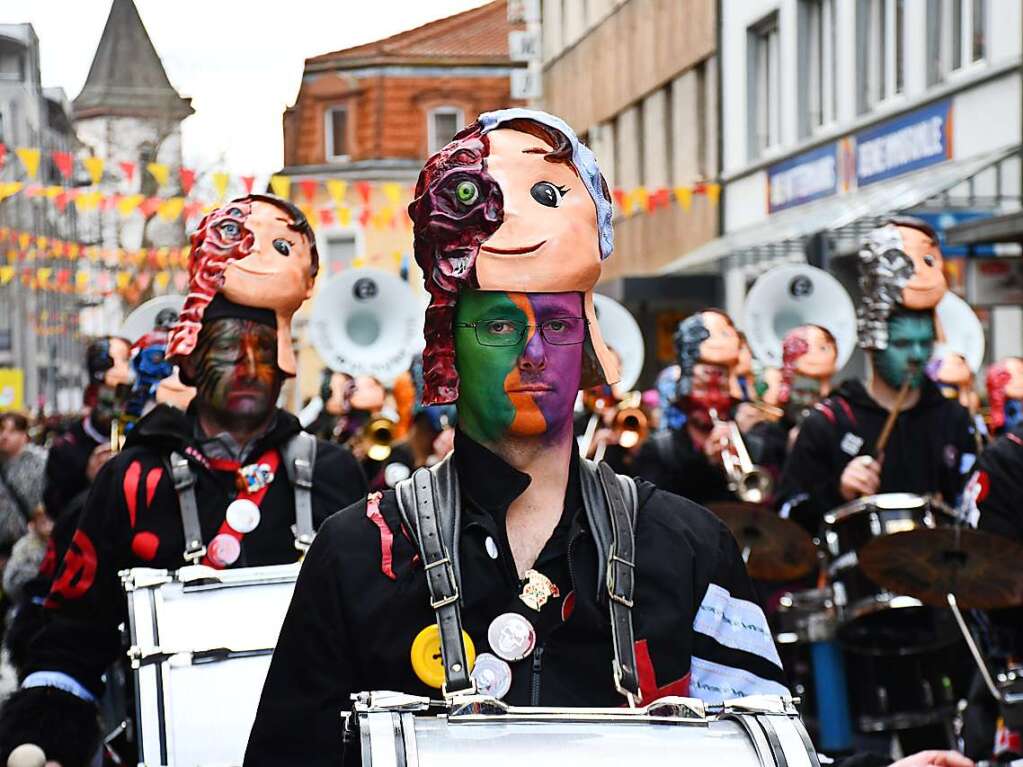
[(190, 714)]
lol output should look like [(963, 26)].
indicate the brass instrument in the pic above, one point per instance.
[(630, 425), (748, 481), (378, 436)]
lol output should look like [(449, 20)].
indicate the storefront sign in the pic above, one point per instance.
[(805, 177), (907, 143), (946, 219), (12, 389)]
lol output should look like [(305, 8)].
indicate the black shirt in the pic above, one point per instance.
[(670, 460)]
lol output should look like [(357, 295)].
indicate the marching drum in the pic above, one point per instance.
[(394, 730), (850, 527), (201, 641)]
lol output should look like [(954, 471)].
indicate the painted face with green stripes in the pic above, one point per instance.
[(519, 362)]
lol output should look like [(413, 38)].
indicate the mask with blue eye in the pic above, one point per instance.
[(151, 366)]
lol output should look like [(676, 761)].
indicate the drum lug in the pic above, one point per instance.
[(389, 700), (761, 704), (143, 578)]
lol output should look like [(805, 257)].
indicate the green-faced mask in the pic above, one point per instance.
[(910, 345)]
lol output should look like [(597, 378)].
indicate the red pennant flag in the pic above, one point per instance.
[(187, 176), (326, 216), (619, 195), (3, 154), (308, 187), (247, 182), (63, 276), (110, 202), (128, 169), (64, 163), (364, 190), (150, 205), (192, 209), (364, 217)]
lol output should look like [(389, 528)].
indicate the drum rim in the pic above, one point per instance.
[(905, 720), (870, 503)]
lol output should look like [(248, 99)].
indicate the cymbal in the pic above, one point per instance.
[(779, 549), (982, 570)]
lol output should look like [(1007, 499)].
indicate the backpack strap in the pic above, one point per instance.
[(299, 455), (430, 506), (184, 486)]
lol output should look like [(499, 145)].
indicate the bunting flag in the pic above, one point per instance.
[(29, 157), (247, 182), (187, 176), (220, 181), (64, 163), (392, 192), (308, 187), (3, 154), (337, 188), (281, 186), (94, 165), (160, 173), (127, 170)]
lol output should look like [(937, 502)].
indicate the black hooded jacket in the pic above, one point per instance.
[(931, 450), (132, 519), (361, 599)]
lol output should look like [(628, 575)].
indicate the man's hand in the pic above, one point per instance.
[(97, 460), (934, 759), (748, 415), (716, 442), (862, 476)]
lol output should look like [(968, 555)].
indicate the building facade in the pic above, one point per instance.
[(37, 353), (838, 113), (638, 80), (364, 121)]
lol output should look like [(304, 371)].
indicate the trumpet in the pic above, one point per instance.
[(378, 436), (630, 425), (747, 480)]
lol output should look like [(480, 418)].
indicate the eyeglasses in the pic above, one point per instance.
[(560, 331)]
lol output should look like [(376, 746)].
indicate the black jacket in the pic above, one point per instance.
[(670, 460), (65, 467), (931, 450), (362, 598), (132, 519)]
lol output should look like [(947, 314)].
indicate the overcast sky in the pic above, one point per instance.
[(240, 62)]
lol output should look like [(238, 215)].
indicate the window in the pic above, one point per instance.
[(817, 52), (442, 125), (764, 86), (957, 36), (336, 132), (11, 64), (881, 54), (340, 252)]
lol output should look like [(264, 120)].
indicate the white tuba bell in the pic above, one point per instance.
[(622, 334), (963, 332), (792, 295)]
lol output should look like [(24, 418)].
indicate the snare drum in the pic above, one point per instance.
[(850, 527), (201, 641), (758, 732)]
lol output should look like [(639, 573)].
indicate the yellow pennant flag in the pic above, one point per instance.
[(6, 274), (337, 189), (392, 192), (121, 279), (344, 216), (220, 181), (159, 171), (640, 195), (713, 193), (88, 201), (81, 280), (127, 205), (170, 209), (94, 165), (24, 239), (12, 256), (29, 157), (52, 191), (281, 186), (161, 280), (43, 274), (684, 195), (10, 189)]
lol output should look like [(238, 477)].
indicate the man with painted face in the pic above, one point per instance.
[(252, 264), (932, 447), (512, 221)]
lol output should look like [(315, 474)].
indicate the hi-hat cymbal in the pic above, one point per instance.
[(779, 549), (982, 570)]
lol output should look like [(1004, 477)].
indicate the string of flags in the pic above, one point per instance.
[(376, 205)]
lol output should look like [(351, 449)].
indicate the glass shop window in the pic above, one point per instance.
[(817, 65), (764, 85)]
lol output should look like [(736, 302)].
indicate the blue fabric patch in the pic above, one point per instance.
[(59, 680)]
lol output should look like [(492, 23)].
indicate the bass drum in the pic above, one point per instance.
[(544, 737)]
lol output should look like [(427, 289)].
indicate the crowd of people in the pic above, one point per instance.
[(503, 502)]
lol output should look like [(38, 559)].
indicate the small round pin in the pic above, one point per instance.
[(224, 550), (243, 515), (492, 675), (511, 636)]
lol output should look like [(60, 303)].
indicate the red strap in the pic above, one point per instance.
[(130, 485), (648, 679), (386, 536), (225, 464), (848, 410), (272, 459)]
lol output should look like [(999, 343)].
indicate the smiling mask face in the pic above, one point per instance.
[(926, 287), (522, 387)]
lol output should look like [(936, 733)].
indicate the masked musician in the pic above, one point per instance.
[(931, 445), (221, 485), (1005, 394), (512, 220), (687, 460)]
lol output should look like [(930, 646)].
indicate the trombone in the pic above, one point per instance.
[(747, 480), (630, 424)]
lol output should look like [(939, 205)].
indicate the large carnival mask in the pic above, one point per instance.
[(258, 251), (707, 346), (513, 203), (809, 361)]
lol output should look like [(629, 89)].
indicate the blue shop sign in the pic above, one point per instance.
[(805, 177), (946, 219), (905, 144)]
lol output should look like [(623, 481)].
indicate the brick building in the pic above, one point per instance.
[(371, 115)]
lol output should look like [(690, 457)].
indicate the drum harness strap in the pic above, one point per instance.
[(299, 455), (430, 506)]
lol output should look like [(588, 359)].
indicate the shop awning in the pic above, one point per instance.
[(1004, 228), (833, 213)]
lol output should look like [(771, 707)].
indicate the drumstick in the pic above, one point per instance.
[(889, 423)]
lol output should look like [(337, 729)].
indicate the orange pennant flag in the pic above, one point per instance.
[(281, 186), (220, 181), (29, 157), (159, 171), (337, 188), (81, 280), (161, 280), (713, 193), (122, 279), (640, 198), (95, 167)]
